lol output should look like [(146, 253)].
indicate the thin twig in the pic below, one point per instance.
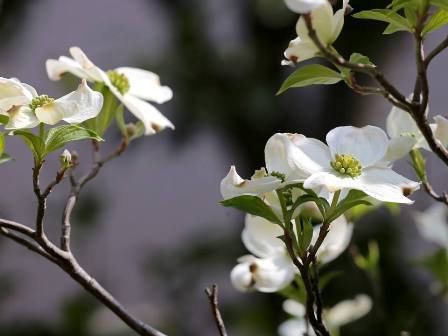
[(212, 295), (431, 192), (437, 50)]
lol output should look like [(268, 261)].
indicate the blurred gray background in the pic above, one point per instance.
[(150, 227)]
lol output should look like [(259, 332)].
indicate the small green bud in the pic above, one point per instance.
[(40, 101), (120, 81), (346, 164)]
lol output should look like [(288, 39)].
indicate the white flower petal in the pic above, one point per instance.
[(300, 50), (330, 182), (233, 185), (146, 85), (260, 237), (322, 20), (367, 144), (77, 106), (398, 148), (296, 156), (348, 311), (336, 241), (14, 93), (295, 327), (433, 225), (441, 130), (21, 117), (49, 114), (304, 6), (86, 64), (399, 122), (266, 275), (294, 308), (386, 185), (338, 20), (152, 119)]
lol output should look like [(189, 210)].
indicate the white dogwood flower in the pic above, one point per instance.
[(327, 25), (341, 314), (405, 134), (26, 109), (433, 224), (132, 86), (234, 185), (304, 6), (353, 160), (270, 268)]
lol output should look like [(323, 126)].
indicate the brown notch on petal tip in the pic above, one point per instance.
[(241, 184), (253, 267), (156, 128), (407, 191), (293, 59)]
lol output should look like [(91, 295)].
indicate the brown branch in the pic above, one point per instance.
[(431, 192), (212, 295), (37, 241), (391, 93), (437, 50)]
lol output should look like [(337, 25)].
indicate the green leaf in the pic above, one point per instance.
[(4, 119), (398, 22), (2, 143), (107, 113), (34, 142), (437, 21), (419, 164), (442, 4), (304, 229), (354, 198), (437, 264), (57, 137), (252, 205), (312, 74), (4, 158), (360, 59)]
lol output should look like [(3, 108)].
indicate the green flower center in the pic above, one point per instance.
[(40, 101), (120, 81), (346, 164)]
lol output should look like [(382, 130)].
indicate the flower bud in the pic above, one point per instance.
[(66, 159)]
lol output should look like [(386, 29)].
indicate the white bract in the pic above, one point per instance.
[(304, 6), (327, 25), (405, 134), (281, 167), (341, 314), (353, 159), (433, 224), (131, 86), (270, 268), (26, 109)]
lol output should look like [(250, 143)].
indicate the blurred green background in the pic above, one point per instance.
[(222, 60)]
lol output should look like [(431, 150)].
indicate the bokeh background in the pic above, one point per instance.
[(150, 227)]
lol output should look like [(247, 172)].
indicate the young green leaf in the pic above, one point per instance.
[(398, 22), (107, 113), (313, 74), (419, 164), (442, 4), (4, 119), (4, 158), (360, 59), (57, 137), (437, 21), (252, 205), (2, 143), (304, 229), (34, 142)]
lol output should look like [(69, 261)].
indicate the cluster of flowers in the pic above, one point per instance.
[(131, 86)]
